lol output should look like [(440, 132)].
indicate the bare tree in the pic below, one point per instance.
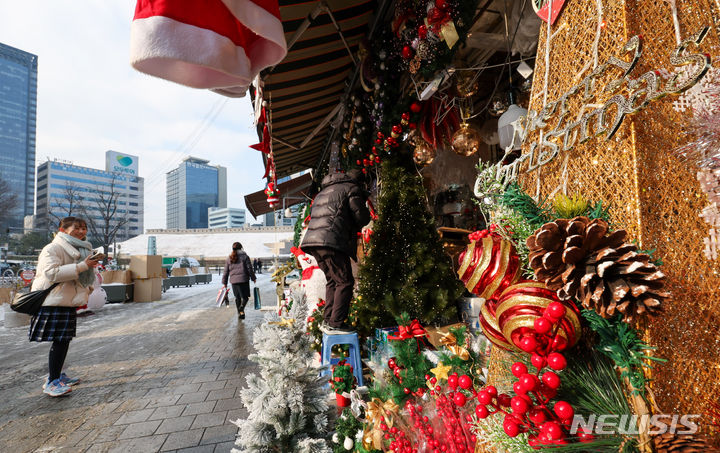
[(8, 199), (102, 215), (73, 205)]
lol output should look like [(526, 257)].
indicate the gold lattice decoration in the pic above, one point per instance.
[(652, 194)]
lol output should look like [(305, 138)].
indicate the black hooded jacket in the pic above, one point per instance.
[(338, 213)]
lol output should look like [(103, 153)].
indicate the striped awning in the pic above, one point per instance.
[(306, 87)]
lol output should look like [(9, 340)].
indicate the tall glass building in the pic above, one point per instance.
[(18, 111), (192, 188), (65, 189)]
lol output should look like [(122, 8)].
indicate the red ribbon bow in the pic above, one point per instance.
[(412, 330)]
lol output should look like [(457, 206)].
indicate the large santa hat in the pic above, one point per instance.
[(215, 44)]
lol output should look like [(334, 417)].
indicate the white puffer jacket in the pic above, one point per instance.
[(59, 262)]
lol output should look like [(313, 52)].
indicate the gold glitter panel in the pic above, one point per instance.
[(652, 194)]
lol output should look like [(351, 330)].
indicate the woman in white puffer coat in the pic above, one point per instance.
[(66, 260)]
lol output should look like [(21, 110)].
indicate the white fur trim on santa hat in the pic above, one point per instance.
[(264, 24), (186, 54)]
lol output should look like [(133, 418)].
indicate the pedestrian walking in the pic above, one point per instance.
[(338, 213), (66, 260), (238, 272)]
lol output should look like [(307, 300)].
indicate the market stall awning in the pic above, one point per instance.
[(305, 89), (292, 192)]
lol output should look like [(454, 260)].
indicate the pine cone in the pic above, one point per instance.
[(563, 243), (617, 280), (673, 443)]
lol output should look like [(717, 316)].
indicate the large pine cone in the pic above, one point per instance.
[(562, 243), (616, 280), (673, 443)]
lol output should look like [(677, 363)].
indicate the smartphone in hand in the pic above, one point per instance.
[(99, 256)]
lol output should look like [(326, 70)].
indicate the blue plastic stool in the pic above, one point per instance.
[(351, 339)]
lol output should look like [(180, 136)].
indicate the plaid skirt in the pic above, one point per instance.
[(53, 323)]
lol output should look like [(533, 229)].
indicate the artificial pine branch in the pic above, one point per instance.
[(516, 199), (619, 341)]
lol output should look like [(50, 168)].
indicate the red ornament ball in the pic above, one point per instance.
[(405, 116), (422, 32), (397, 129), (465, 382), (406, 390), (518, 369), (519, 389), (504, 400), (407, 52), (552, 430), (452, 381), (415, 107), (442, 4), (556, 361), (459, 399), (551, 379), (564, 410), (537, 416)]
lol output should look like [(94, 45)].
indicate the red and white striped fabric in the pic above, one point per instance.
[(207, 44)]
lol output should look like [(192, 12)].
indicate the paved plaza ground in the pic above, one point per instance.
[(160, 376)]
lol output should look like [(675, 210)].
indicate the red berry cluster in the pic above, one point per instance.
[(453, 435), (545, 337), (529, 410), (399, 441), (396, 369)]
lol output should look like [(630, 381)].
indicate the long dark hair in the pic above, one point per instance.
[(234, 255)]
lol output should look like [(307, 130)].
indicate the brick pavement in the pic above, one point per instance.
[(164, 378)]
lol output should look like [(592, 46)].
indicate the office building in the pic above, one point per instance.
[(18, 111), (66, 189), (192, 188), (226, 218)]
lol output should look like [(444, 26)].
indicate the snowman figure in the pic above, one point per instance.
[(313, 279)]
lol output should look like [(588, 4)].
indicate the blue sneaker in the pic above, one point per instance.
[(64, 379), (56, 388), (68, 380)]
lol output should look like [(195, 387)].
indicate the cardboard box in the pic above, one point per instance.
[(124, 277), (147, 289), (179, 272), (146, 266)]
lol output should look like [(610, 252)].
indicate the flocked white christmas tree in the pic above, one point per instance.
[(287, 402)]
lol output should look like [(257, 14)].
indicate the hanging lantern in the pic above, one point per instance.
[(424, 153), (465, 141)]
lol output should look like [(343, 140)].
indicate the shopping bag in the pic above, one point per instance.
[(97, 299), (256, 296), (222, 296)]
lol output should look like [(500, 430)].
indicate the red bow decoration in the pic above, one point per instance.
[(437, 18), (412, 330), (477, 235)]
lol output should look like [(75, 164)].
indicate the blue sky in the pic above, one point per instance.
[(91, 100)]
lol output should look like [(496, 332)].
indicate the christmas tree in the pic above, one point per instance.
[(287, 402), (406, 269)]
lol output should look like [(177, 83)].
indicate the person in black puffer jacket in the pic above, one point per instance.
[(239, 271), (338, 213)]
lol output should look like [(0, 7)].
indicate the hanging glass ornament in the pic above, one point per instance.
[(498, 106), (424, 153), (466, 83), (465, 141)]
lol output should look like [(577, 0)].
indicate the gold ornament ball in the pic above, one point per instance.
[(466, 85), (424, 153), (465, 141)]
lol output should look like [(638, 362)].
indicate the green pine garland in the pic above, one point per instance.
[(619, 341)]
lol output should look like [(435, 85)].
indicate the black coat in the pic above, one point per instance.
[(338, 213), (240, 271)]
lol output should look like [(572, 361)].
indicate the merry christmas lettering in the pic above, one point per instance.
[(594, 119)]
